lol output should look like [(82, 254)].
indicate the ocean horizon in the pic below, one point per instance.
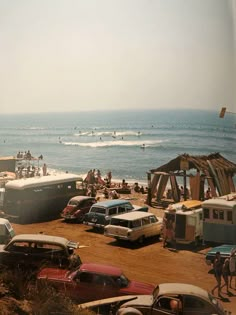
[(127, 143)]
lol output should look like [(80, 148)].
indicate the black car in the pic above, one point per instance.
[(35, 250)]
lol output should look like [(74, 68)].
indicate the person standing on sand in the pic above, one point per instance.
[(44, 169), (232, 267), (217, 266), (109, 176), (226, 273), (168, 232)]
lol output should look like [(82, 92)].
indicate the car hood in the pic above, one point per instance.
[(54, 273), (146, 300), (136, 287)]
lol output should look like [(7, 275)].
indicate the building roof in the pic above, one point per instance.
[(198, 162)]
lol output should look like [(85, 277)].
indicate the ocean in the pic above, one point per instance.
[(127, 143)]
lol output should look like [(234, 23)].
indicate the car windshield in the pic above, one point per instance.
[(122, 281)]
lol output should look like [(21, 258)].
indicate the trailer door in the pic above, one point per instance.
[(180, 225)]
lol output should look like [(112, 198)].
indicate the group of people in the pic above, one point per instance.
[(24, 155), (95, 178), (225, 269), (139, 189)]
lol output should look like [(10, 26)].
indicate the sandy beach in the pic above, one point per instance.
[(149, 263)]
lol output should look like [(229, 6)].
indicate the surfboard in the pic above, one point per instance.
[(215, 177)]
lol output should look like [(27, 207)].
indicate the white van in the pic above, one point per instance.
[(134, 226), (6, 231)]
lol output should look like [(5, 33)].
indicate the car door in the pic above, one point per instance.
[(193, 305), (91, 286), (164, 306)]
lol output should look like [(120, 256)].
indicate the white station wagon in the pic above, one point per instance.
[(134, 226)]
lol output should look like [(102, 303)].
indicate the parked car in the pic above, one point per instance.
[(174, 298), (35, 250), (100, 213), (134, 226), (225, 251), (6, 231), (77, 207), (91, 282)]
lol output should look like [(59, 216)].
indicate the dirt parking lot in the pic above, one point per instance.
[(149, 263)]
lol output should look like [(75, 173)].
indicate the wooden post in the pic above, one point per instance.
[(185, 190), (149, 195)]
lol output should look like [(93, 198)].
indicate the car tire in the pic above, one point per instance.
[(141, 239)]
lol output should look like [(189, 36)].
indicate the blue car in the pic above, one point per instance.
[(100, 213), (225, 251)]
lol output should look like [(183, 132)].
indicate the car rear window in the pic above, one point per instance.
[(73, 203), (119, 222)]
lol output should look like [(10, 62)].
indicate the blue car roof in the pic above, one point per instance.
[(111, 203)]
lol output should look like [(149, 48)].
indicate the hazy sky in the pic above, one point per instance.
[(66, 55)]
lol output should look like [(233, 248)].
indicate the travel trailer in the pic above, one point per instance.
[(187, 218), (219, 220), (35, 199)]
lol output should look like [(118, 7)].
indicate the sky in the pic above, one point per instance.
[(87, 55)]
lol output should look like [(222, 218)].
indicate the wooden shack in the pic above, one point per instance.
[(195, 172)]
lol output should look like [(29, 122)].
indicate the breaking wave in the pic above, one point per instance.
[(100, 144)]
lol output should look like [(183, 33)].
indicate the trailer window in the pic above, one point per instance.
[(215, 214), (229, 216), (221, 215), (206, 213)]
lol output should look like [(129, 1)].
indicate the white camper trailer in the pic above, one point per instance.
[(187, 217), (220, 219)]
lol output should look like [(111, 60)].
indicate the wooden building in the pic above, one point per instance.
[(196, 172)]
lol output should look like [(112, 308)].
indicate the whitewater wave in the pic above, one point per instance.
[(100, 144), (109, 133), (32, 128)]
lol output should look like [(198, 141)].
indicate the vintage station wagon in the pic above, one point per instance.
[(134, 226), (100, 213)]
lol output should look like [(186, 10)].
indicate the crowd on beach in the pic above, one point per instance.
[(29, 170), (95, 182)]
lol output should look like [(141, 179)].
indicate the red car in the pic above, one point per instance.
[(77, 207), (92, 282)]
